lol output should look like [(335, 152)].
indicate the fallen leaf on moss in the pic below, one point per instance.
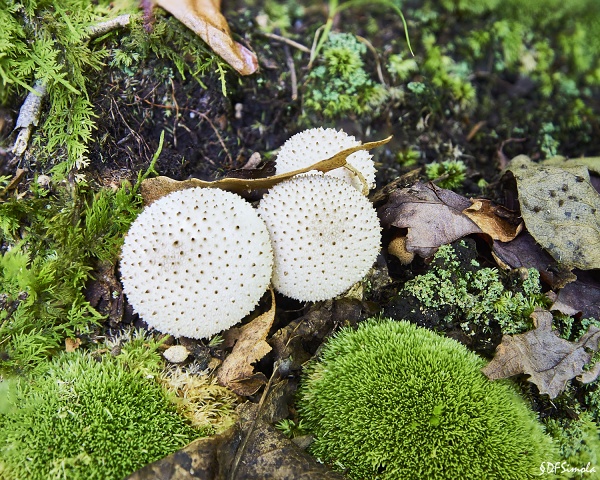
[(549, 360), (432, 215), (498, 222), (204, 18), (561, 210), (236, 372), (154, 188), (590, 375), (72, 344)]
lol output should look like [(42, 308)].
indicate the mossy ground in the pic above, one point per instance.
[(482, 86)]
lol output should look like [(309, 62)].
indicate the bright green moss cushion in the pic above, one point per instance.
[(86, 419), (395, 401)]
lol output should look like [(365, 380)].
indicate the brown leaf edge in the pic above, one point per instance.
[(236, 372), (154, 188)]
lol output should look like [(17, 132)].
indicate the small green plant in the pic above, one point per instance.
[(52, 242), (47, 42), (84, 417), (447, 174), (392, 400), (578, 441), (476, 297), (290, 428), (339, 85)]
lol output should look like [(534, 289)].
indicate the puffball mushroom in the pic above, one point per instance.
[(315, 144), (325, 236), (196, 261)]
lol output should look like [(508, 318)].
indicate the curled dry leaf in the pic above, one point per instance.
[(204, 18), (497, 221), (561, 210), (154, 188), (236, 372), (72, 344), (432, 215), (549, 360)]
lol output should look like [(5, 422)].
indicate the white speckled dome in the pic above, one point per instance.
[(325, 236), (316, 144), (196, 261)]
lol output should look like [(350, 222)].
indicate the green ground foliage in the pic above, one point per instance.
[(392, 400), (47, 42), (578, 441), (449, 174), (476, 298), (339, 85), (51, 241), (89, 417)]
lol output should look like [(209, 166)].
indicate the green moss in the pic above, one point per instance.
[(339, 84), (47, 42), (524, 30), (392, 400), (476, 297), (52, 241), (87, 418), (451, 173), (579, 443)]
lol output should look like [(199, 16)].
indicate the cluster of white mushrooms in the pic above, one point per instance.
[(197, 261)]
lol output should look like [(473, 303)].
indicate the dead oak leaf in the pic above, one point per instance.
[(204, 18), (432, 215), (549, 360), (236, 372), (497, 221)]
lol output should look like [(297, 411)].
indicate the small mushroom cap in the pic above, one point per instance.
[(196, 261), (316, 144), (325, 236)]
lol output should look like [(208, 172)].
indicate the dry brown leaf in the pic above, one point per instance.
[(549, 360), (154, 188), (432, 215), (525, 252), (204, 18), (581, 296), (236, 372), (72, 344), (495, 220)]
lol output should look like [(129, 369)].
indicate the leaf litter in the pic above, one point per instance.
[(549, 360)]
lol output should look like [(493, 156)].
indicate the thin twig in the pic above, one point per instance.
[(29, 116), (101, 28), (292, 67), (291, 43), (375, 55)]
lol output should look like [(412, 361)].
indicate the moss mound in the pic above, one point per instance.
[(392, 400), (87, 419)]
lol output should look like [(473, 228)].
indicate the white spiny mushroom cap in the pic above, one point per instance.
[(196, 261), (316, 144), (325, 236)]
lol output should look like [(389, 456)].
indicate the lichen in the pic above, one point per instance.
[(476, 298)]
